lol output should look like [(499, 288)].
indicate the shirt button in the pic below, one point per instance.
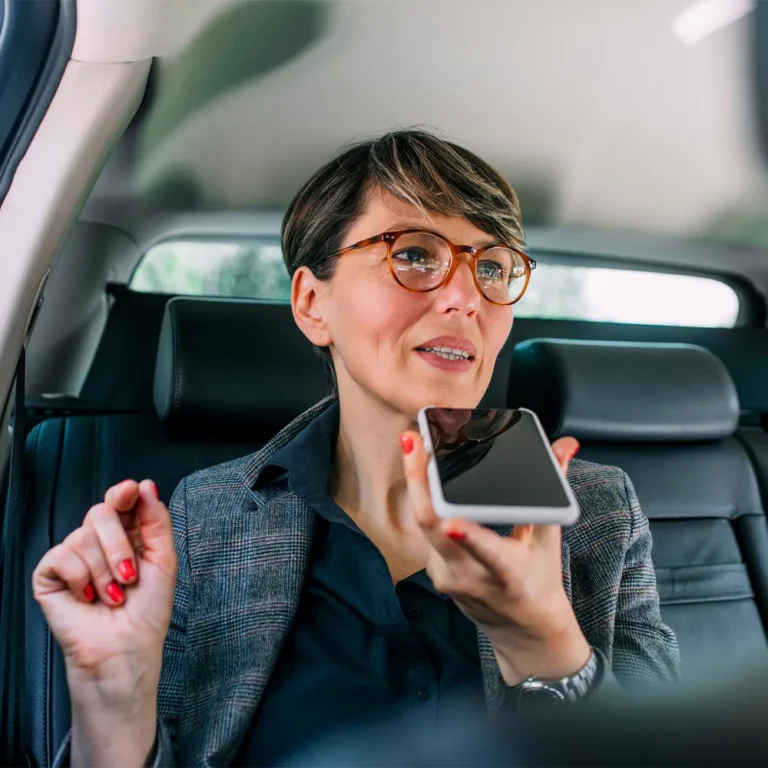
[(414, 612), (422, 694)]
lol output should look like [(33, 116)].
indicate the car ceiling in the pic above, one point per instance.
[(599, 112)]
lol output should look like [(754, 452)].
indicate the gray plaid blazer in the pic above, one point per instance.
[(243, 554)]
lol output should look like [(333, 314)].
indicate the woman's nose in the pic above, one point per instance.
[(460, 293)]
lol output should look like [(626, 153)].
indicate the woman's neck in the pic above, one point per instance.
[(367, 480)]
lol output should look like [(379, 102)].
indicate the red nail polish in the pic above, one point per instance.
[(155, 491), (456, 535), (406, 443), (88, 593), (127, 571), (115, 593)]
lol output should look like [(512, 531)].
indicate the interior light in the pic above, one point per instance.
[(705, 17)]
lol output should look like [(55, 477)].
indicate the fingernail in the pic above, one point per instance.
[(406, 443), (155, 491), (88, 593), (574, 452), (127, 571), (456, 535), (115, 593)]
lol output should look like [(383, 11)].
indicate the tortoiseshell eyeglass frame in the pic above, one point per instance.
[(476, 253)]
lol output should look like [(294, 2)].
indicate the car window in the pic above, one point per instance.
[(599, 294), (252, 269), (255, 269)]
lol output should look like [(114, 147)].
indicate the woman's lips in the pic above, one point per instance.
[(450, 346), (451, 342), (443, 364)]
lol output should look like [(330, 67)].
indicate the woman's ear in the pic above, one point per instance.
[(306, 301)]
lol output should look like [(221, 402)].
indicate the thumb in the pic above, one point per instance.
[(415, 460), (154, 522), (565, 448)]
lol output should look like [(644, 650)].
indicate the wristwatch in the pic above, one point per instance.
[(534, 691)]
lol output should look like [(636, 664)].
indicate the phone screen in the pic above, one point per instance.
[(497, 457)]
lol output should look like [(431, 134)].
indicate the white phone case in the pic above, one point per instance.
[(492, 514)]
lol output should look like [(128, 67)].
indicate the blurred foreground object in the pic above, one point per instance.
[(720, 725)]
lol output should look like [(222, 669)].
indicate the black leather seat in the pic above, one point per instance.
[(228, 375), (667, 414)]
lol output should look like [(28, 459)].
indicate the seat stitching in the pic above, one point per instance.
[(719, 599), (48, 650), (176, 364), (95, 473)]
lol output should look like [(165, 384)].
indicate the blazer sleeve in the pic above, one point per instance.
[(173, 677), (645, 648)]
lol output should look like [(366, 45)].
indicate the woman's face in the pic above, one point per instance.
[(382, 336)]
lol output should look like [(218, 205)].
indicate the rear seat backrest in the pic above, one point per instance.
[(667, 415), (233, 366), (228, 375)]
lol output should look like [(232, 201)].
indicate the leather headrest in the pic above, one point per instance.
[(624, 392), (233, 367)]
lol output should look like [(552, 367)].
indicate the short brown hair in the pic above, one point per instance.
[(434, 175)]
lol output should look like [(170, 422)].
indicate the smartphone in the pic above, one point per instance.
[(494, 466)]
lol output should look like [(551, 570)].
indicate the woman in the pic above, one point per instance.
[(311, 583)]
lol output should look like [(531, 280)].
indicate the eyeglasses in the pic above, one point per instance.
[(424, 261)]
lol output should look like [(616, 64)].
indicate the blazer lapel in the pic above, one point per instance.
[(256, 608), (493, 684), (253, 564)]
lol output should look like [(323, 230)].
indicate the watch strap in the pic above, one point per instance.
[(568, 689), (580, 684)]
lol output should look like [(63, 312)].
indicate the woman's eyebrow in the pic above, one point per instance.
[(402, 225)]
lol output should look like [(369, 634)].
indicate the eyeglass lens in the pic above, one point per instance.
[(421, 261)]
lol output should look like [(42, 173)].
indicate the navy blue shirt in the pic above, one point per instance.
[(360, 646)]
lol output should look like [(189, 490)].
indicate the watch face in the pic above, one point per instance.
[(540, 695)]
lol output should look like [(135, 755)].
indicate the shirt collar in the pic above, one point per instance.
[(422, 579), (307, 459)]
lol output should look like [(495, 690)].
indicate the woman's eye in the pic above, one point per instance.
[(415, 257), (491, 270)]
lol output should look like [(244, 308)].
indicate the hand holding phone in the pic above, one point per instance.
[(511, 585), (494, 466)]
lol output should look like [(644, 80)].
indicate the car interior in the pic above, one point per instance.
[(140, 211)]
